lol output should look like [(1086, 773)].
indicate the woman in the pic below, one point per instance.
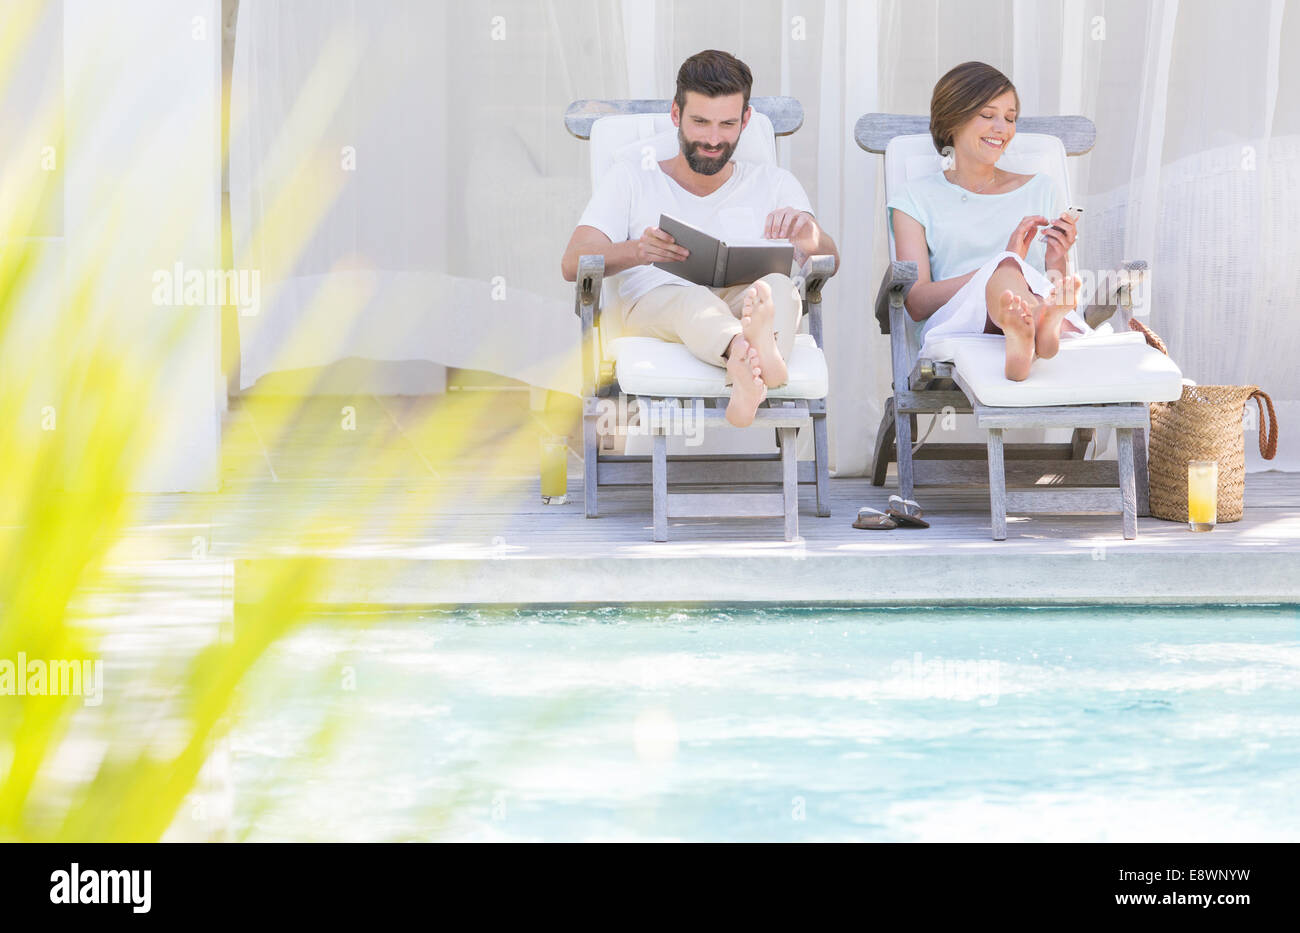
[(955, 224)]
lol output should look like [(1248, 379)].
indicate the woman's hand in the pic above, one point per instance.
[(1060, 236), (1024, 234)]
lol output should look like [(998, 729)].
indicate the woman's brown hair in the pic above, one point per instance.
[(962, 93)]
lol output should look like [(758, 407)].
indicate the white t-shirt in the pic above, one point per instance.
[(630, 198)]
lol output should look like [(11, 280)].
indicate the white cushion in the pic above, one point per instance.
[(649, 366), (1087, 371)]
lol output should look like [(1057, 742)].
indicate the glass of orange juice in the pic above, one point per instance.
[(1202, 494), (555, 478)]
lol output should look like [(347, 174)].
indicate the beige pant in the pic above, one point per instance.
[(706, 319)]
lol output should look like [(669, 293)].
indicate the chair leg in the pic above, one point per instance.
[(1142, 471), (997, 485), (903, 441), (821, 450), (884, 440), (1079, 441), (659, 482), (790, 481), (1127, 485), (590, 475)]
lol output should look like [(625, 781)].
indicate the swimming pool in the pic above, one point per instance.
[(1100, 724)]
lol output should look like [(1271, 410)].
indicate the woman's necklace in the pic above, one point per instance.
[(958, 183)]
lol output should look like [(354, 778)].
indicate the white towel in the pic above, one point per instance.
[(965, 312)]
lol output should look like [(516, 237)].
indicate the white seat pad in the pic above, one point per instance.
[(649, 366), (1087, 371)]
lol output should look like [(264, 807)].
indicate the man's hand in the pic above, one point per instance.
[(657, 246), (788, 223), (799, 227)]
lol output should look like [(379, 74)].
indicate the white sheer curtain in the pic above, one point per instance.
[(395, 178), (444, 243)]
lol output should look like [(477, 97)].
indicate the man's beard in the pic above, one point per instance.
[(704, 165)]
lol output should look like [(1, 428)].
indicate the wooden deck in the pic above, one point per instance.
[(404, 524)]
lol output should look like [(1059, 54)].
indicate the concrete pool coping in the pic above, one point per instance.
[(826, 580), (434, 508), (470, 542)]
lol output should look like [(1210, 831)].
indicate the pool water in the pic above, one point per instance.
[(1100, 724)]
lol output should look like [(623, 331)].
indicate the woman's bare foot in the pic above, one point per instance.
[(756, 319), (1017, 322), (1062, 300), (747, 386)]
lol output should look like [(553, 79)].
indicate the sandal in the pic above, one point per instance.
[(906, 512), (873, 520)]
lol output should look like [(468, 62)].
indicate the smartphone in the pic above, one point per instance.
[(1071, 214)]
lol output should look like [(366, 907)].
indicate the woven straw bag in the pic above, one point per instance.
[(1205, 424)]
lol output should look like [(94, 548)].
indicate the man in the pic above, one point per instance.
[(747, 329)]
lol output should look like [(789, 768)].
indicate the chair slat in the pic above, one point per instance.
[(874, 130), (786, 113)]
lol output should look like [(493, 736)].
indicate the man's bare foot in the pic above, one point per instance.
[(1017, 322), (1051, 314), (747, 387), (756, 319)]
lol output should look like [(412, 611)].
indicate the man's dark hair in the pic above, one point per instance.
[(713, 74)]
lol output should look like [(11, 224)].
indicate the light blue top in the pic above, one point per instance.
[(964, 234)]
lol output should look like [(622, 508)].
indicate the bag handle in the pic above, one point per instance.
[(1267, 427), (1267, 448), (1152, 339), (1267, 438)]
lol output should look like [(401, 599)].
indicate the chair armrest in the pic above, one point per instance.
[(1134, 293), (586, 304), (1125, 291), (813, 275), (810, 279), (897, 282), (591, 275)]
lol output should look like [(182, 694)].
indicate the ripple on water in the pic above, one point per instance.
[(780, 724)]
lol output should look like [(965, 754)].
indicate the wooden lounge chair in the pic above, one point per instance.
[(1046, 477), (666, 383)]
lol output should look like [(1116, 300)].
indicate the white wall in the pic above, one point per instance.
[(142, 95), (31, 212)]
